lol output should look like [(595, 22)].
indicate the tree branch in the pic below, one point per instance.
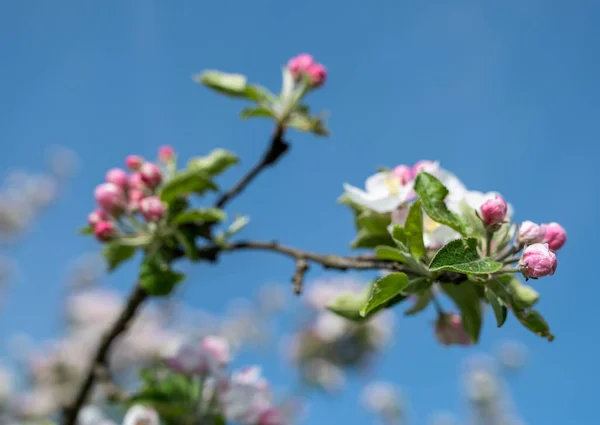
[(277, 148), (100, 360)]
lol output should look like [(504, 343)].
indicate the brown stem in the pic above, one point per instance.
[(277, 148), (100, 360)]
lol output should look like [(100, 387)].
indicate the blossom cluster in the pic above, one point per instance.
[(125, 196), (328, 343), (305, 65)]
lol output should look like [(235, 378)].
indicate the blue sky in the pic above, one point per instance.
[(505, 94)]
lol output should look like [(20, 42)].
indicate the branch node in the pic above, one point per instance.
[(298, 279)]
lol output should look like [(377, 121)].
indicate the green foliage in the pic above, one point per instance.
[(349, 305), (157, 278), (461, 256), (421, 303), (200, 215), (215, 163), (498, 305), (534, 321), (523, 296), (414, 230), (384, 290), (115, 253), (257, 112), (307, 123), (433, 193), (467, 300), (87, 230), (384, 252), (185, 183)]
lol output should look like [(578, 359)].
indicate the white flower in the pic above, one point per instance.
[(141, 415), (247, 396), (384, 192), (325, 374), (329, 326), (381, 398)]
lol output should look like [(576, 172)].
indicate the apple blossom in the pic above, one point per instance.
[(118, 177), (298, 65), (317, 74), (96, 216), (530, 233), (537, 261), (134, 162), (404, 173), (136, 181), (152, 208), (105, 231), (141, 415), (151, 174), (555, 236), (493, 211), (166, 153), (384, 192), (449, 330), (134, 198), (109, 197)]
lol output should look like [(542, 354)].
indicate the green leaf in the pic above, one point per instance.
[(135, 241), (461, 256), (384, 290), (414, 230), (185, 183), (307, 124), (87, 230), (384, 252), (365, 239), (238, 224), (536, 323), (374, 222), (433, 193), (498, 306), (418, 285), (420, 304), (466, 298), (217, 161), (259, 94), (229, 84), (348, 305), (187, 240), (257, 112), (200, 215), (157, 278), (399, 236), (116, 253), (523, 295)]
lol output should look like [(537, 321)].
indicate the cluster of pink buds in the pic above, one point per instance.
[(493, 211), (128, 193), (305, 65), (541, 243)]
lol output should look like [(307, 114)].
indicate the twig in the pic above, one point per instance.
[(298, 278), (277, 148), (100, 360)]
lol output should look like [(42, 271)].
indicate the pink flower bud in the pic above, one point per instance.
[(317, 74), (136, 182), (537, 261), (135, 196), (109, 197), (426, 166), (118, 177), (134, 162), (218, 347), (555, 236), (151, 174), (493, 211), (404, 173), (271, 416), (95, 217), (152, 208), (299, 65), (166, 153), (104, 231), (530, 233), (449, 330)]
